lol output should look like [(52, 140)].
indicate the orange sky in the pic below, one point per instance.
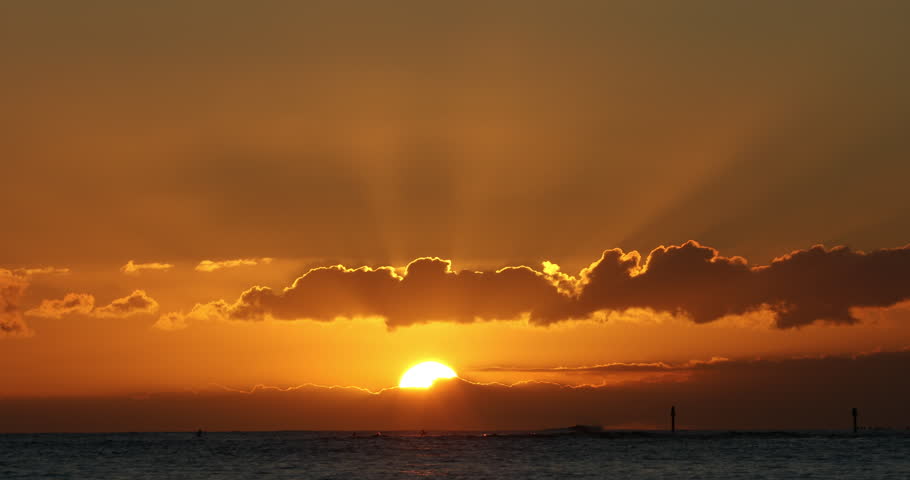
[(169, 171)]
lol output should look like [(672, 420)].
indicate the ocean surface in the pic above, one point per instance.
[(548, 454)]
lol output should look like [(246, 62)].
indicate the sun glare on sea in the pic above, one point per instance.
[(424, 374)]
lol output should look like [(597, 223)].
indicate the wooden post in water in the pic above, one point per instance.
[(673, 419), (854, 419)]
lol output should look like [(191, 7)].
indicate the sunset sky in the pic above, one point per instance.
[(223, 212)]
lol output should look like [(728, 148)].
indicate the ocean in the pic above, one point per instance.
[(549, 454)]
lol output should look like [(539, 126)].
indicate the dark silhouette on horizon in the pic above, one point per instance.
[(855, 413), (673, 419)]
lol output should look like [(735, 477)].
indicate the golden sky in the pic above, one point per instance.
[(564, 201)]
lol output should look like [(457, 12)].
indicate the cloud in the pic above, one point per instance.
[(205, 312), (692, 280), (132, 268), (798, 393), (608, 367), (42, 271), (211, 266), (12, 287), (171, 321), (428, 290), (78, 303), (135, 303)]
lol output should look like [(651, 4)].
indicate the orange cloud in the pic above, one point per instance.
[(212, 311), (799, 393), (608, 367), (12, 287), (211, 266), (690, 279), (171, 321), (42, 271), (135, 303), (132, 268), (78, 303)]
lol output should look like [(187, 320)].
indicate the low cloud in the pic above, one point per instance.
[(171, 321), (204, 312), (71, 303), (209, 266), (619, 367), (802, 393), (41, 271), (135, 303), (691, 280), (132, 268), (12, 287)]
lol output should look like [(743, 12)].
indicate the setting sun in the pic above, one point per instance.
[(424, 374)]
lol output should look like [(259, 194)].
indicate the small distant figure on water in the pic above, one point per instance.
[(673, 418), (199, 433), (855, 413), (423, 433)]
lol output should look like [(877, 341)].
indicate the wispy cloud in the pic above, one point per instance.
[(132, 268), (135, 303), (171, 321), (212, 265), (608, 367), (71, 303), (42, 271)]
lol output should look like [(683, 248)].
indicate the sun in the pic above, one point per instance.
[(424, 374)]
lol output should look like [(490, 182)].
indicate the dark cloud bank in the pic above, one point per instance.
[(756, 394), (800, 288)]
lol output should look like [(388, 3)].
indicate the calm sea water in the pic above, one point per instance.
[(726, 455)]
